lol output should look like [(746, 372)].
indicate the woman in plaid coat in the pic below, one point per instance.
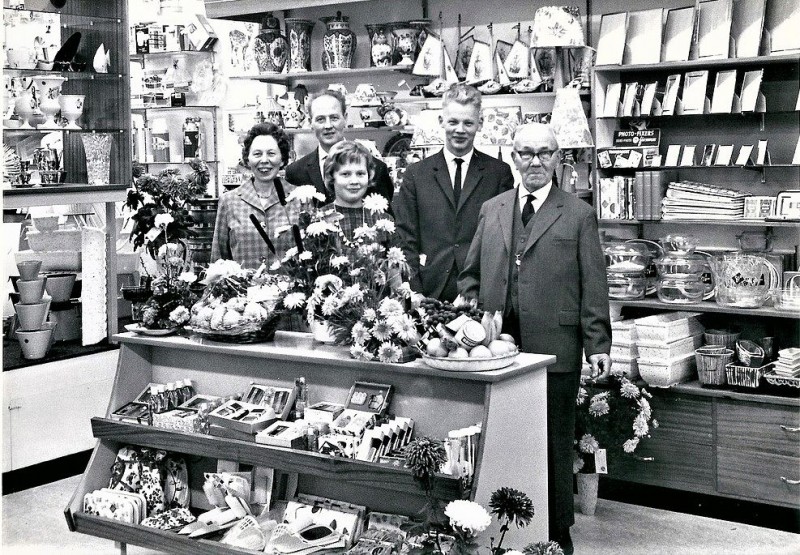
[(265, 151)]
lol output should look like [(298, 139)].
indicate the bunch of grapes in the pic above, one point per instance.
[(442, 312)]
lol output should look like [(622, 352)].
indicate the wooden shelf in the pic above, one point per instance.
[(696, 388), (356, 130), (670, 168), (706, 63), (363, 473), (736, 223), (283, 78), (17, 132), (145, 55), (69, 193), (227, 8), (757, 115), (487, 97), (68, 75), (173, 108), (710, 306)]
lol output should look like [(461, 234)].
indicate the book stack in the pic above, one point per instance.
[(628, 198), (788, 363), (687, 200)]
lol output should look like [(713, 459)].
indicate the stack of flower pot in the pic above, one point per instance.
[(204, 215), (35, 334)]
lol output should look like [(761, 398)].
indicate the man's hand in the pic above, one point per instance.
[(601, 364)]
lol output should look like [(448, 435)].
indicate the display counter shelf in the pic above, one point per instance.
[(711, 306), (65, 193), (509, 404)]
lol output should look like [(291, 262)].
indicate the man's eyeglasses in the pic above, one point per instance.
[(528, 155)]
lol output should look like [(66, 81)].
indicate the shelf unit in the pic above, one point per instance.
[(437, 400), (734, 223), (325, 75), (710, 306)]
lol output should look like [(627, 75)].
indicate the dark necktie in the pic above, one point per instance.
[(457, 180), (528, 210)]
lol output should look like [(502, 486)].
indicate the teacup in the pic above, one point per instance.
[(29, 269), (31, 291)]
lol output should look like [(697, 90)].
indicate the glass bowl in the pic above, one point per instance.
[(626, 257), (626, 285), (787, 298), (677, 265), (688, 289), (679, 244)]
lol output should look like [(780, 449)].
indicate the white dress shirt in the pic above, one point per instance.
[(539, 196), (450, 158)]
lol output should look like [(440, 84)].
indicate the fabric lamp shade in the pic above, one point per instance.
[(569, 120), (555, 26)]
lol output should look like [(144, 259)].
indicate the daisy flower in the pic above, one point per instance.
[(644, 408), (405, 290), (330, 305), (395, 256), (588, 444), (405, 329), (291, 252), (353, 293), (382, 331), (577, 463), (640, 427), (376, 203), (180, 315), (275, 266), (328, 280), (598, 407), (629, 390), (319, 228), (389, 306), (355, 272), (360, 333), (359, 352), (163, 220), (630, 445), (294, 300), (187, 277), (388, 352), (339, 261), (369, 315), (364, 232), (385, 225)]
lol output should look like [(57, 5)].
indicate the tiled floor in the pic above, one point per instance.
[(33, 523)]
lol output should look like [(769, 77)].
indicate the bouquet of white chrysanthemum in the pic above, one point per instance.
[(615, 416)]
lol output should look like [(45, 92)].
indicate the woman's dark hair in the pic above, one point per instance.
[(347, 152), (266, 129)]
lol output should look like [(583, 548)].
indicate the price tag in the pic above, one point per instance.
[(600, 464)]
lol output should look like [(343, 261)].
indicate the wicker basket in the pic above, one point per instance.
[(711, 366), (259, 332), (721, 337), (745, 376)]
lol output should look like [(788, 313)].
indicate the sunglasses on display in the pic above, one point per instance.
[(528, 155)]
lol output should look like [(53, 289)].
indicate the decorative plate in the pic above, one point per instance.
[(470, 364), (140, 329)]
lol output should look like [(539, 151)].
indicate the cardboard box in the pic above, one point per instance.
[(133, 412), (241, 416), (280, 399), (339, 445), (353, 422), (182, 420), (323, 412), (230, 433), (201, 34), (197, 401), (282, 434), (369, 397)]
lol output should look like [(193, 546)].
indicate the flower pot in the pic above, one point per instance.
[(32, 316), (35, 343), (29, 269), (59, 286), (587, 492), (322, 331), (31, 291)]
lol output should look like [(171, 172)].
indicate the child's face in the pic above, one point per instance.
[(350, 183)]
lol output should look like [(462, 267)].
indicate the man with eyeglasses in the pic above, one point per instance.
[(328, 114), (436, 209), (536, 257)]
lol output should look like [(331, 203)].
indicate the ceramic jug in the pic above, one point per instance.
[(743, 280), (339, 42)]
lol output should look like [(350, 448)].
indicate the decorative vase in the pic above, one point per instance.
[(587, 492), (298, 33), (405, 45), (71, 109), (97, 147), (48, 89), (380, 44), (339, 42), (421, 25), (25, 107), (271, 48), (322, 331)]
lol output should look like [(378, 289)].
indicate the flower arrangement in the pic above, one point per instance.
[(161, 195), (615, 417), (168, 307)]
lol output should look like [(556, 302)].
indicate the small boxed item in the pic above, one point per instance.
[(133, 412), (353, 422), (668, 327), (144, 396), (281, 399), (182, 420), (197, 401), (339, 445), (660, 351), (201, 33), (241, 416), (323, 412), (664, 373), (369, 397), (282, 434)]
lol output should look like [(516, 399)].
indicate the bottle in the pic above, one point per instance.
[(152, 403), (161, 399), (191, 138), (187, 389), (301, 399), (173, 399)]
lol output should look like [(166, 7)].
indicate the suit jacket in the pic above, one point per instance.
[(430, 224), (563, 293), (305, 171)]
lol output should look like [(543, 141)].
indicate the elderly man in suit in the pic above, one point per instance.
[(436, 209), (327, 112), (536, 257)]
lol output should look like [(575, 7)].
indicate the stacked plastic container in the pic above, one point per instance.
[(666, 344), (624, 350)]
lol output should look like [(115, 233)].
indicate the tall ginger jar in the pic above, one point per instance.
[(339, 42)]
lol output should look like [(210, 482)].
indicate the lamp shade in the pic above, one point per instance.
[(557, 26), (569, 120)]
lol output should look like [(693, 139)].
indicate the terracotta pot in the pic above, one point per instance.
[(587, 492)]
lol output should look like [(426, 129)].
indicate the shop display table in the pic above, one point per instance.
[(510, 404)]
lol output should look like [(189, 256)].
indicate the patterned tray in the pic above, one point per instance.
[(774, 379)]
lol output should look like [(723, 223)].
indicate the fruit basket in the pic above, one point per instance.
[(251, 332), (470, 364)]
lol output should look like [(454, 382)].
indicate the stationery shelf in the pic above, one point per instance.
[(753, 167), (373, 475), (173, 108), (674, 117), (584, 94), (283, 78), (703, 63), (64, 193), (709, 306)]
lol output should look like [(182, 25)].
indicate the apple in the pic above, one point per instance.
[(435, 348), (481, 351), (460, 352), (507, 338), (499, 348)]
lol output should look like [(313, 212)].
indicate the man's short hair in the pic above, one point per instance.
[(333, 94), (463, 94)]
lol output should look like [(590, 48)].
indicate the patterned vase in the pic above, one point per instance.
[(380, 44), (271, 48), (405, 43), (421, 25), (298, 32), (97, 147), (339, 42)]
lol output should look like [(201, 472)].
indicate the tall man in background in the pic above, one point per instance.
[(537, 258), (436, 209), (328, 114)]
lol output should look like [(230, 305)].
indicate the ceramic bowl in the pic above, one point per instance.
[(45, 65), (29, 269), (32, 316), (59, 286), (31, 291), (35, 343)]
